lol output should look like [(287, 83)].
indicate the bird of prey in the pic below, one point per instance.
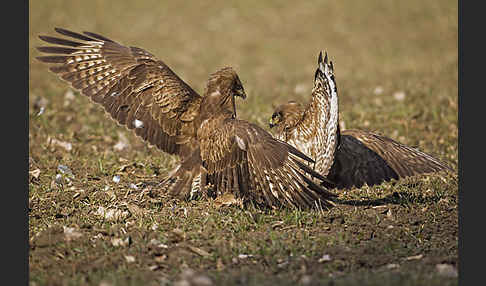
[(219, 154), (349, 158)]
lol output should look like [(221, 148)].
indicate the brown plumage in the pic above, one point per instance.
[(312, 129), (351, 157), (219, 153)]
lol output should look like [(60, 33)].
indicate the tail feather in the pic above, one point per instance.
[(187, 179), (184, 184), (325, 68)]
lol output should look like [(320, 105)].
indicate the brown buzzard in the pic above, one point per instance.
[(219, 154), (351, 157)]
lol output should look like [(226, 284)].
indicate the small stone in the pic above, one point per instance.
[(66, 145), (64, 169), (40, 104), (324, 258), (133, 186), (399, 95), (414, 257), (116, 179), (70, 233), (35, 173), (154, 226), (157, 243), (41, 110), (59, 180), (392, 266), (244, 256), (116, 241), (153, 267)]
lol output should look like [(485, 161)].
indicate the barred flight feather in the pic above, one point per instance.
[(351, 157)]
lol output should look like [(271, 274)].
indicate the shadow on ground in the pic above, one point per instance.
[(399, 198)]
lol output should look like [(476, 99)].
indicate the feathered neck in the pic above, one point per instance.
[(293, 114), (218, 95)]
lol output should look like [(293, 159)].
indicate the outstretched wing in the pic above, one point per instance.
[(365, 157), (355, 164), (247, 161), (322, 111), (137, 90), (321, 117)]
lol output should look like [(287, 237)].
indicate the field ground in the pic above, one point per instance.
[(396, 64)]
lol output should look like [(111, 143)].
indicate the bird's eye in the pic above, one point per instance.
[(276, 117)]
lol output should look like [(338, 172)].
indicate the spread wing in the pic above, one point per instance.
[(320, 119), (364, 157), (137, 90), (355, 164), (244, 159), (321, 115)]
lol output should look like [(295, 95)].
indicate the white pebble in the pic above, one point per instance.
[(116, 179)]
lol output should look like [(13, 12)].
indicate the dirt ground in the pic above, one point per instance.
[(95, 219)]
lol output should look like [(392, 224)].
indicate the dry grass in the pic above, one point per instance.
[(396, 233)]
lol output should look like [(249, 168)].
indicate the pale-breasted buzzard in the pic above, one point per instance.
[(350, 157)]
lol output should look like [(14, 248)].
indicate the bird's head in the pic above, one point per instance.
[(222, 88), (286, 116)]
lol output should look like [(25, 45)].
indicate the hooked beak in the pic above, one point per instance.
[(241, 93), (271, 123)]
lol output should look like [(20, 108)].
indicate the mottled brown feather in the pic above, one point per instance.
[(130, 84), (374, 160), (270, 167), (404, 160), (218, 153)]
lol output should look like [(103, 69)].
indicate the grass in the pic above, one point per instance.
[(392, 234)]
